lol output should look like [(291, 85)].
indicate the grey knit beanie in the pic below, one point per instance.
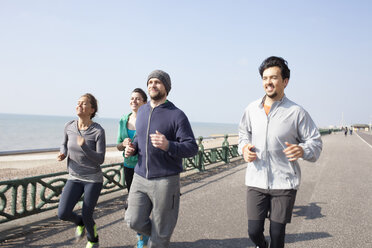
[(163, 77)]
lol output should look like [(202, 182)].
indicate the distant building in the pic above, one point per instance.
[(364, 127)]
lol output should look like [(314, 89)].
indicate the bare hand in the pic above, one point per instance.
[(126, 142), (293, 152), (80, 140), (249, 153), (61, 157), (158, 140), (129, 150)]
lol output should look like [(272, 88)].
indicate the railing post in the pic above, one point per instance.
[(33, 196), (14, 199), (225, 149), (24, 198), (199, 160), (214, 155)]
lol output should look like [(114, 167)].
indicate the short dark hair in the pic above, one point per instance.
[(141, 92), (93, 101), (275, 61)]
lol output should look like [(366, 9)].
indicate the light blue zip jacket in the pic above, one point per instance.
[(286, 122)]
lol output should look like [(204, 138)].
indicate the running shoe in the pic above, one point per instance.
[(142, 241), (266, 245), (92, 245), (79, 233)]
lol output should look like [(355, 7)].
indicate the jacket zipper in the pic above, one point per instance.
[(147, 143), (266, 153)]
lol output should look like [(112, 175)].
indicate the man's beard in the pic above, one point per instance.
[(273, 95), (157, 96)]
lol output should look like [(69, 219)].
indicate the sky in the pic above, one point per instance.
[(52, 52)]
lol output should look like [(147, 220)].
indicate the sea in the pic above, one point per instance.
[(27, 133)]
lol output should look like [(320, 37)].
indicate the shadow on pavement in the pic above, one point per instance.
[(298, 237), (312, 211), (245, 242), (214, 243)]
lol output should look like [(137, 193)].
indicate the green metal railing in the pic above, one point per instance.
[(325, 131), (210, 156), (32, 195)]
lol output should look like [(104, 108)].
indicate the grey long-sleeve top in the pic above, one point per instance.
[(286, 122), (83, 162)]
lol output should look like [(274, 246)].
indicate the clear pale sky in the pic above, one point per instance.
[(51, 52)]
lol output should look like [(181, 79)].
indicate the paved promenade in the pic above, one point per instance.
[(333, 207)]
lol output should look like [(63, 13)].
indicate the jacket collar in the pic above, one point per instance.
[(126, 117), (276, 103), (166, 104)]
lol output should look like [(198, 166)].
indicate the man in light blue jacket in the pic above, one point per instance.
[(274, 133)]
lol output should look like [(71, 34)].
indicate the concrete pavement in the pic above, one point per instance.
[(332, 208)]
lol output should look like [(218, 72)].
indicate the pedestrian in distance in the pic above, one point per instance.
[(126, 133), (84, 146), (346, 130), (274, 133), (163, 137)]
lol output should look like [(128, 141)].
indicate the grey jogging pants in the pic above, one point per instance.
[(161, 196)]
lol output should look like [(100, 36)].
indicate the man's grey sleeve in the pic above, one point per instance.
[(245, 133), (311, 141)]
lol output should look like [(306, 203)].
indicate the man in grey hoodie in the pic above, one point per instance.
[(274, 133)]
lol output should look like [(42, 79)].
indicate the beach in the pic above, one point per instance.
[(35, 164)]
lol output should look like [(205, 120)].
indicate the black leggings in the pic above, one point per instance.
[(128, 176), (277, 233), (71, 194)]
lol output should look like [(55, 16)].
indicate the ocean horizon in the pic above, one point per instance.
[(23, 132)]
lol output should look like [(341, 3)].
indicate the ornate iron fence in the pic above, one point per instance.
[(32, 195), (324, 131), (212, 155)]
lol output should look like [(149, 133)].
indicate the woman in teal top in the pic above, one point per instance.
[(127, 131)]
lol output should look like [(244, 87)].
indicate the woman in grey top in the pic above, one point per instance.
[(84, 145)]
